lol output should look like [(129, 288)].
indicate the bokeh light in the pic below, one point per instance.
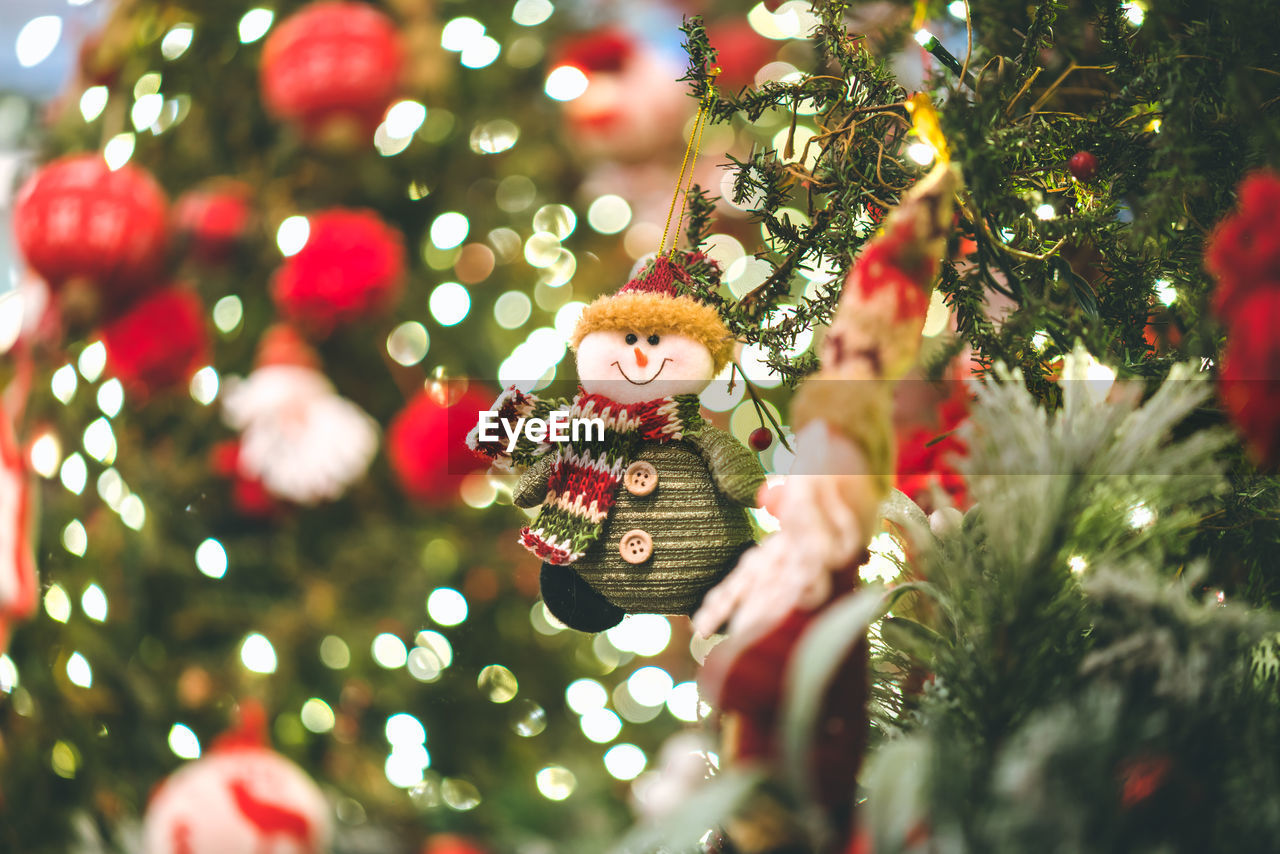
[(183, 742), (555, 782), (450, 303), (389, 651), (624, 761), (211, 559), (565, 83), (447, 606), (585, 695), (257, 654)]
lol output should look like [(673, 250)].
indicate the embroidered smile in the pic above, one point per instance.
[(646, 382)]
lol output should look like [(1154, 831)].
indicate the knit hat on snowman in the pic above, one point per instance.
[(660, 299)]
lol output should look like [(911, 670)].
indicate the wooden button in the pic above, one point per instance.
[(636, 546), (640, 478)]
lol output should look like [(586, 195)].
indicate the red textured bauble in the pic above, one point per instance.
[(159, 343), (426, 444), (213, 220), (1250, 380), (761, 438), (1083, 166), (352, 267), (75, 218), (1244, 251), (332, 63)]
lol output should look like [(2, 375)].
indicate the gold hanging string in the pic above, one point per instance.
[(691, 151)]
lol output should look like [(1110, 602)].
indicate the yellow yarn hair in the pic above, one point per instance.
[(656, 313)]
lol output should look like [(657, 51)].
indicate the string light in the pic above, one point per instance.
[(257, 654), (94, 603), (555, 782), (78, 671), (317, 716), (183, 742), (211, 559), (625, 761), (530, 13), (254, 24), (565, 83), (37, 39)]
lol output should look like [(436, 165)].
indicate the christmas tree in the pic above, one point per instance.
[(997, 273)]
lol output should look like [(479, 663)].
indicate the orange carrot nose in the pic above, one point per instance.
[(641, 358)]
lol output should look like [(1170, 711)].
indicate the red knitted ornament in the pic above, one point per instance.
[(213, 220), (77, 219), (351, 268), (927, 462), (1244, 250), (159, 343), (426, 444), (1250, 380), (332, 62)]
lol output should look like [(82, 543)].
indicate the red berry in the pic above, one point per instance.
[(761, 438), (1083, 166)]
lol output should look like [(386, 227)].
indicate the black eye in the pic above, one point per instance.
[(653, 340), (631, 338)]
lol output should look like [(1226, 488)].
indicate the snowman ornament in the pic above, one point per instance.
[(647, 512)]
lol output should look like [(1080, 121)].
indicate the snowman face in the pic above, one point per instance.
[(635, 365)]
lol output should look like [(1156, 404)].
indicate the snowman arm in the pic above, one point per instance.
[(735, 470), (531, 488)]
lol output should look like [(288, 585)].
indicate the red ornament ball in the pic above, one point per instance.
[(1250, 380), (240, 798), (1244, 250), (1083, 166), (78, 219), (159, 343), (351, 267), (213, 220), (426, 444), (761, 438), (448, 843), (332, 63)]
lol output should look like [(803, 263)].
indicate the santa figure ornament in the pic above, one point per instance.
[(240, 798), (649, 511), (299, 438), (630, 108)]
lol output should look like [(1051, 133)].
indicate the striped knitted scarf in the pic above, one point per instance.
[(583, 484)]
